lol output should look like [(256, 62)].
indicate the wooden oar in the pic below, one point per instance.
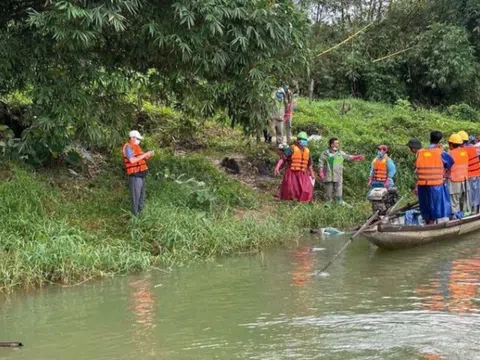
[(370, 220)]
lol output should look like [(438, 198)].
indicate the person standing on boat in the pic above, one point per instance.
[(297, 183), (458, 177), (433, 194), (383, 169), (331, 169), (473, 172)]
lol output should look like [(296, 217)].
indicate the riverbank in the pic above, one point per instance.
[(65, 229), (66, 225)]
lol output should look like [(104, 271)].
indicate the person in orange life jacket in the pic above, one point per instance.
[(135, 163), (458, 177), (297, 182), (473, 193), (433, 194), (383, 169)]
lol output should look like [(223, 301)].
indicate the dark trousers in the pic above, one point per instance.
[(137, 193)]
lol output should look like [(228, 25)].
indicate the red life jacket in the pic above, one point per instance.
[(137, 167)]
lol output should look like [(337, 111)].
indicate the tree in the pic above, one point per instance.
[(443, 64), (427, 51), (79, 59)]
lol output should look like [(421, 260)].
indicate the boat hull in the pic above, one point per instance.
[(393, 237)]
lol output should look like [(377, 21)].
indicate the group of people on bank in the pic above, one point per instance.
[(447, 186), (299, 178), (448, 181)]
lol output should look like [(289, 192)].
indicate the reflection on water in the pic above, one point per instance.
[(302, 265), (143, 308), (416, 304), (456, 288), (433, 357)]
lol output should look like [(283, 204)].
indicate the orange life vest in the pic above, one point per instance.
[(300, 159), (473, 162), (429, 166), (459, 171), (137, 167), (380, 172)]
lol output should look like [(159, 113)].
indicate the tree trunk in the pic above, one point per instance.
[(312, 87), (343, 16), (379, 12), (372, 11), (318, 12)]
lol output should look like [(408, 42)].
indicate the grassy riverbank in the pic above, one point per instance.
[(66, 228)]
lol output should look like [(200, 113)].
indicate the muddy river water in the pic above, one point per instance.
[(421, 303)]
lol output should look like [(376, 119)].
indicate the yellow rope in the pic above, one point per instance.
[(396, 53), (344, 41)]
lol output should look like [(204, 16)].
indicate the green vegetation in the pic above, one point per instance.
[(66, 228), (425, 51), (82, 61), (83, 68), (195, 76), (63, 229)]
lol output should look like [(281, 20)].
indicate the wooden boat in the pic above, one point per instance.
[(391, 236)]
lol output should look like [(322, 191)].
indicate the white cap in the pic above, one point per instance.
[(135, 134)]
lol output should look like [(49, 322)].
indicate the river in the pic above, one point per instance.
[(421, 303)]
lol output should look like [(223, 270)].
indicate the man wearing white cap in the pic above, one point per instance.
[(135, 163)]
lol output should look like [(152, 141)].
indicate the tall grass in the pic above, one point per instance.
[(57, 228), (39, 245)]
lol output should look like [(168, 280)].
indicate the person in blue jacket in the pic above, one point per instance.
[(383, 169), (434, 200)]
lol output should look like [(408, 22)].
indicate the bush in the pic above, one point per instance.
[(463, 112), (403, 104)]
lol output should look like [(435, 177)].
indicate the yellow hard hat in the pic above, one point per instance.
[(463, 135), (455, 139)]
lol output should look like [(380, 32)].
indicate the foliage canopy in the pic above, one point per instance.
[(426, 51), (79, 60)]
